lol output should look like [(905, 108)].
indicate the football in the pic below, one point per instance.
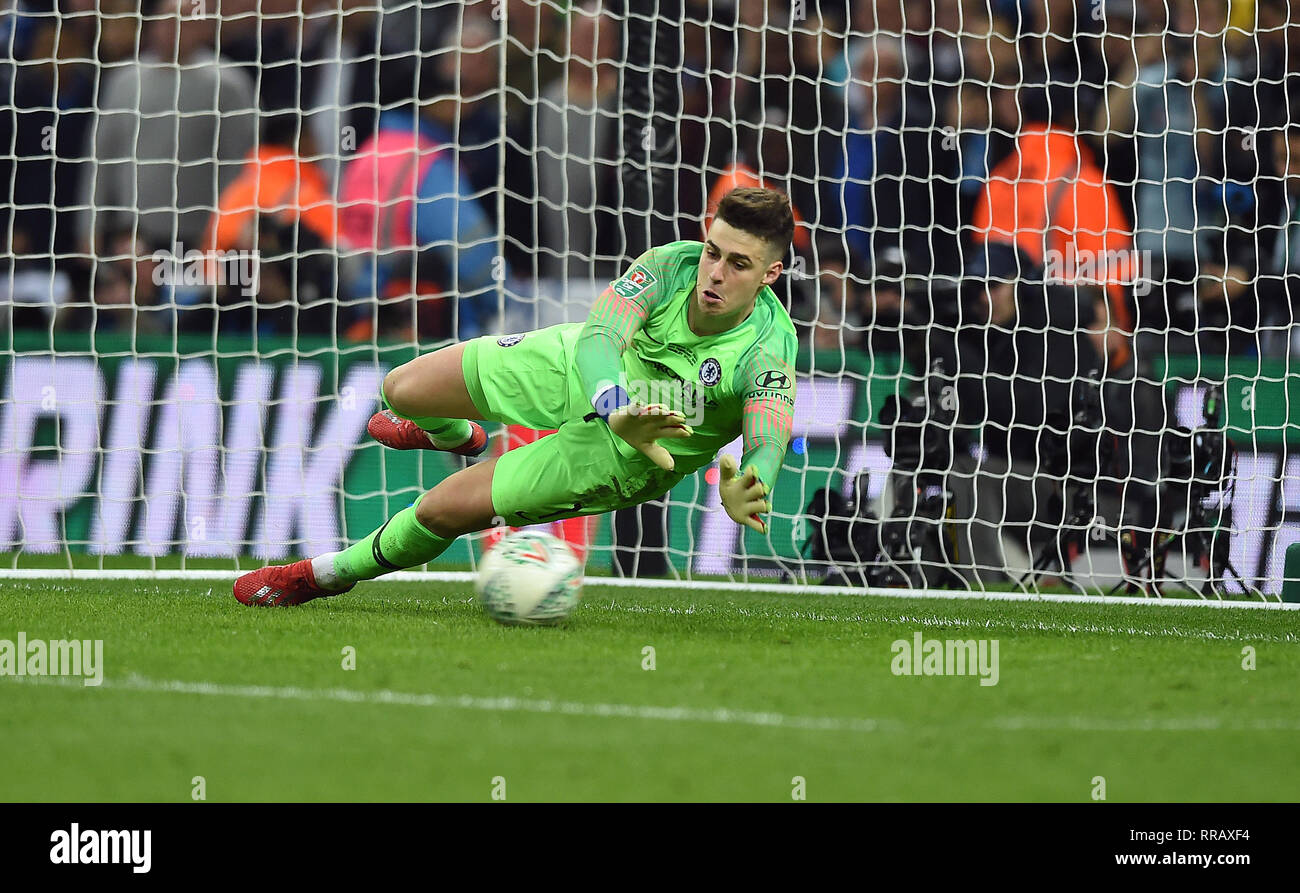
[(530, 578)]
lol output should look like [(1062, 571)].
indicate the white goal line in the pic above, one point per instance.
[(636, 583)]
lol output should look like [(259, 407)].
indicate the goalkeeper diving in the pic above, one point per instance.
[(686, 351)]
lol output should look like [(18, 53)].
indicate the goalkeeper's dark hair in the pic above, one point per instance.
[(764, 213)]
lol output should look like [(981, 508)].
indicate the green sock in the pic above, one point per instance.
[(445, 432), (401, 543)]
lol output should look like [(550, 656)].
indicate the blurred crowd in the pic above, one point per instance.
[(938, 154)]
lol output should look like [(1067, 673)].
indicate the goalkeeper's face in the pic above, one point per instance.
[(734, 267)]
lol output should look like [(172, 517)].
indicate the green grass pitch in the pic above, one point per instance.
[(749, 693)]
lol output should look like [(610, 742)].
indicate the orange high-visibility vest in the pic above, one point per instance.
[(1049, 195), (275, 182)]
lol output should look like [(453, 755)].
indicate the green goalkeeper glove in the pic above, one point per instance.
[(642, 426), (743, 496)]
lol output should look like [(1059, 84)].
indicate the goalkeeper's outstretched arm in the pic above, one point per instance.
[(767, 422), (620, 311)]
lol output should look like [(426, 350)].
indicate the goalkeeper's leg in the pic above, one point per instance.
[(577, 471), (428, 406), (460, 504)]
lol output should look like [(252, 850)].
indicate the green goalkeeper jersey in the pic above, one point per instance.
[(734, 383)]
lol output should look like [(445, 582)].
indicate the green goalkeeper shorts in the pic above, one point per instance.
[(583, 468)]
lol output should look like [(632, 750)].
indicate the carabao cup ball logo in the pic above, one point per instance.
[(710, 372), (510, 340)]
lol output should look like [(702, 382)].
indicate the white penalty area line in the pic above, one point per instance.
[(720, 716), (721, 585), (716, 716)]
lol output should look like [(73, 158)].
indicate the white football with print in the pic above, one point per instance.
[(529, 578)]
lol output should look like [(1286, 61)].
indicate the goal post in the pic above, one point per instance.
[(1042, 275)]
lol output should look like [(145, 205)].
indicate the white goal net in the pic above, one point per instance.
[(1041, 276)]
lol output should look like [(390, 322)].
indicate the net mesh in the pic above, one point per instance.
[(1041, 275)]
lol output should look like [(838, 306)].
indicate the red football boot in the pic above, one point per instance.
[(281, 585), (398, 433)]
